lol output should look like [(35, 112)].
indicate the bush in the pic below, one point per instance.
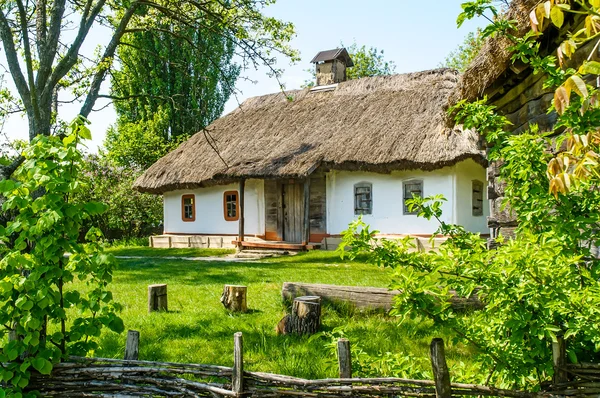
[(130, 214)]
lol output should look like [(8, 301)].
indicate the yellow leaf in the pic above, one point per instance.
[(557, 16), (540, 14), (575, 83), (561, 100)]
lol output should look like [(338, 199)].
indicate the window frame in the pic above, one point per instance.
[(473, 198), (405, 210), (193, 204), (237, 205), (360, 211)]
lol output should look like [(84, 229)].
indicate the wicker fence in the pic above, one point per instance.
[(87, 377)]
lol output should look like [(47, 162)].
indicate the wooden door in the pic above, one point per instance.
[(293, 211)]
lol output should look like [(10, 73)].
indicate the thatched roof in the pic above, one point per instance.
[(493, 58), (377, 124)]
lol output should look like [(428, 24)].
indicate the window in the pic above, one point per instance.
[(363, 198), (411, 189), (477, 202), (231, 208), (188, 208)]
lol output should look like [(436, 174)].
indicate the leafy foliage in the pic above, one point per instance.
[(129, 214), (543, 284), (460, 58), (174, 81), (35, 272), (138, 144), (533, 289)]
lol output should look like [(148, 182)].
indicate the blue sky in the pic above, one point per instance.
[(415, 35)]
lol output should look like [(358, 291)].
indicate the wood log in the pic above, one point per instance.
[(306, 315), (441, 374), (132, 346), (234, 298), (363, 297), (157, 298), (344, 359), (237, 379)]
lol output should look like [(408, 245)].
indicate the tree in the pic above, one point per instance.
[(47, 318), (368, 62), (460, 58), (165, 72), (47, 66)]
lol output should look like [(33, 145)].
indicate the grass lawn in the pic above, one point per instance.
[(198, 329), (144, 251)]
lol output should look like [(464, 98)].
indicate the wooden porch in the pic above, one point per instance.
[(271, 245)]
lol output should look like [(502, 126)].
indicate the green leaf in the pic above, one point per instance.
[(69, 139), (590, 67), (42, 365)]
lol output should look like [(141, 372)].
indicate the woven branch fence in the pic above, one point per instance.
[(98, 377)]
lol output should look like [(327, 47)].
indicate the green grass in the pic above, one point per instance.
[(198, 329), (141, 251)]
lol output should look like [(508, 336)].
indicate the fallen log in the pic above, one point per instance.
[(363, 297)]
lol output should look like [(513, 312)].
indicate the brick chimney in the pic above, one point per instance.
[(330, 66)]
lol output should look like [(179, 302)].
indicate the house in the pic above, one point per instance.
[(298, 167), (517, 93)]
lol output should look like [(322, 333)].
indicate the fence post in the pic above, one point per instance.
[(237, 379), (132, 346), (559, 360), (441, 375), (344, 359)]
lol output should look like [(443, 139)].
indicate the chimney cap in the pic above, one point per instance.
[(330, 55)]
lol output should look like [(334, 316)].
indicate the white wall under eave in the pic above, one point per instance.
[(388, 216), (466, 172), (209, 211)]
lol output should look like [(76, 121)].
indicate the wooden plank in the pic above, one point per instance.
[(318, 205), (274, 245), (441, 375), (132, 345), (559, 360), (237, 379), (344, 359), (306, 213), (362, 297), (241, 206)]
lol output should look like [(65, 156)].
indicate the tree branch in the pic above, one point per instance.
[(47, 52), (109, 53), (13, 61), (28, 61), (70, 58)]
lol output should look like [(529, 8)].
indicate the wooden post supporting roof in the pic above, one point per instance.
[(306, 223), (241, 205)]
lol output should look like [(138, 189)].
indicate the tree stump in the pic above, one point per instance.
[(234, 298), (157, 298), (306, 315)]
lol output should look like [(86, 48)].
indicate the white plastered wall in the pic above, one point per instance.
[(388, 213), (209, 211), (466, 172)]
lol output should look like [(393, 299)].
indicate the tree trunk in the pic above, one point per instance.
[(234, 298), (306, 316)]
